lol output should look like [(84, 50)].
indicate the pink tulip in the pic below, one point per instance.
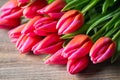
[(16, 32), (10, 10), (53, 9), (56, 58), (78, 47), (102, 49), (29, 28), (75, 66), (45, 26), (25, 43), (9, 23), (71, 21), (31, 11), (24, 2), (48, 45)]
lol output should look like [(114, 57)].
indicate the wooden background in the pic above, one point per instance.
[(16, 66)]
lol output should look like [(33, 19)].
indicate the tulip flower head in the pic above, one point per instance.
[(70, 22), (56, 58), (102, 49), (45, 26), (9, 23), (49, 45), (78, 47), (10, 10), (16, 32), (29, 28), (53, 9), (75, 66), (31, 10), (25, 43)]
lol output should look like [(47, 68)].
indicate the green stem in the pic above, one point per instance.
[(116, 36), (89, 6), (106, 27)]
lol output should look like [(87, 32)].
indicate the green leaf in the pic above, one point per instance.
[(117, 53), (117, 24), (67, 1), (107, 3), (102, 19), (50, 1), (74, 3), (66, 42)]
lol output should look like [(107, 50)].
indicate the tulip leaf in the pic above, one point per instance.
[(50, 1), (107, 4), (72, 4), (117, 24), (102, 19), (66, 42), (117, 53), (67, 1)]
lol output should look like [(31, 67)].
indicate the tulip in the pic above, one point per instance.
[(78, 47), (56, 58), (31, 11), (10, 10), (25, 43), (9, 23), (53, 9), (71, 21), (75, 66), (23, 2), (49, 45), (16, 32), (45, 26), (102, 49), (29, 28)]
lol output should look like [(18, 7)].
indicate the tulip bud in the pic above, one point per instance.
[(75, 66), (16, 32), (102, 49), (78, 47), (56, 58), (25, 43), (10, 10), (45, 25), (9, 23), (29, 28), (31, 11), (70, 22), (53, 9), (48, 45)]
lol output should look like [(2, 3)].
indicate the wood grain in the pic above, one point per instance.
[(16, 66)]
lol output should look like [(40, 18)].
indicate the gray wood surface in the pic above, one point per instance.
[(16, 66)]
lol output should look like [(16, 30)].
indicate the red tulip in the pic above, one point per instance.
[(29, 28), (70, 22), (45, 26), (16, 32), (53, 9), (25, 43), (56, 58), (49, 45), (31, 11), (102, 49), (75, 66), (10, 10), (9, 23), (78, 47)]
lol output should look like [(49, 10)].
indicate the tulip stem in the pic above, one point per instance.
[(116, 36), (106, 27), (89, 6)]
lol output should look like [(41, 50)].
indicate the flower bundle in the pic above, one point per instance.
[(73, 32)]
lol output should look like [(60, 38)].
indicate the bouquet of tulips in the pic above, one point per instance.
[(73, 32)]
